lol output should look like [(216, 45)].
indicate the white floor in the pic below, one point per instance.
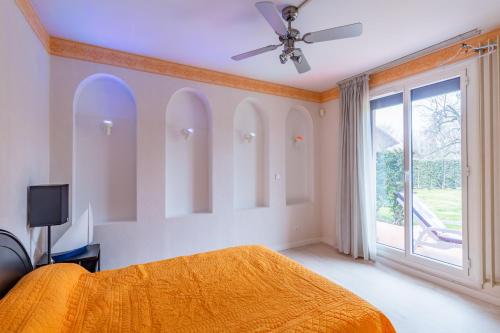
[(413, 305)]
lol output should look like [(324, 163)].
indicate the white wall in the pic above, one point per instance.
[(329, 144), (24, 119), (153, 236)]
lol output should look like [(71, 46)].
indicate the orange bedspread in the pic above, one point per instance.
[(242, 289)]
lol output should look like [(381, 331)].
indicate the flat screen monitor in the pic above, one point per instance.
[(47, 205)]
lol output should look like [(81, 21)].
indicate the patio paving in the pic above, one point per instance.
[(393, 235)]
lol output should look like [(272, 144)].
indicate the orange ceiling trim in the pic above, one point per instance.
[(422, 64), (430, 61), (330, 94), (96, 54), (34, 21), (75, 50)]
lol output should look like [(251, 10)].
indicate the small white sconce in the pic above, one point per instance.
[(187, 132), (249, 137), (108, 125), (322, 112), (298, 138)]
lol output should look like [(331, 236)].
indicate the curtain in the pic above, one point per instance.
[(489, 114), (355, 199)]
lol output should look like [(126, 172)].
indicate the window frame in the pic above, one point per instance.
[(466, 274)]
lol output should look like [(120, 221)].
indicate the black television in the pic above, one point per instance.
[(47, 205)]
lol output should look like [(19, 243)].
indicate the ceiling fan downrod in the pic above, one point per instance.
[(289, 14)]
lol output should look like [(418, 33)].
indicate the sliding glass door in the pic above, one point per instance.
[(419, 149), (436, 160), (388, 146)]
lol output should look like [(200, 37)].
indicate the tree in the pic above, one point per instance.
[(443, 129)]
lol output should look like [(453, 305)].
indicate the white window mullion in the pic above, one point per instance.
[(465, 175), (407, 172)]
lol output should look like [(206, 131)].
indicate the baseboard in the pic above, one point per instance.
[(477, 294), (328, 242), (291, 245)]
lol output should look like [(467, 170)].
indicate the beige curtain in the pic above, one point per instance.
[(489, 111), (355, 201)]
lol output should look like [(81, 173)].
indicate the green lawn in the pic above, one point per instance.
[(446, 204)]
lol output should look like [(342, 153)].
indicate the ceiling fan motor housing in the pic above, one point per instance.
[(290, 13)]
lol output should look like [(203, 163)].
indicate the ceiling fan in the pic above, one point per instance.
[(289, 36)]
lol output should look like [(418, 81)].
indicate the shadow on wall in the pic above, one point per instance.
[(299, 156), (104, 150), (188, 154)]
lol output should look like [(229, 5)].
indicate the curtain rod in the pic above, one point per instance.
[(486, 49), (420, 53)]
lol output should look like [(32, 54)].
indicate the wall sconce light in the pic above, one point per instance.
[(108, 125), (187, 132), (322, 112), (298, 138), (249, 137)]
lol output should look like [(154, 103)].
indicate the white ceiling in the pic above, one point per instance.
[(207, 33)]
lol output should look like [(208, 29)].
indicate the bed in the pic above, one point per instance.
[(240, 289)]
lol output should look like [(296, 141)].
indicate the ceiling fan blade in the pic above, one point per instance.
[(255, 52), (345, 31), (301, 65), (268, 10)]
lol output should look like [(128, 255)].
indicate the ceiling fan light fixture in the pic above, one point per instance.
[(297, 58), (283, 58)]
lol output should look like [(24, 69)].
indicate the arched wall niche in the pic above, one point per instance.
[(299, 143), (104, 151), (188, 154), (250, 156)]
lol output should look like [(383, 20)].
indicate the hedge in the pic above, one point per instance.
[(427, 174)]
